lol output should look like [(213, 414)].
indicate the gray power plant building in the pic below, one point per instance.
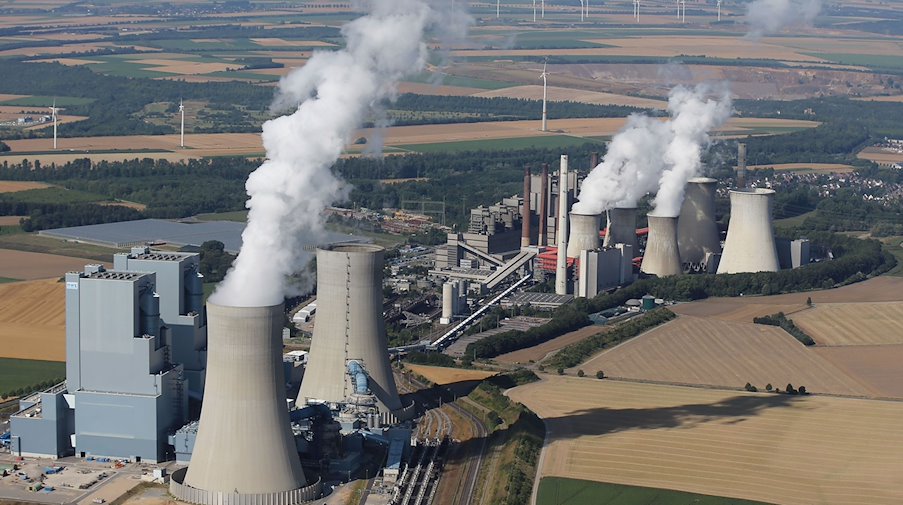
[(126, 389)]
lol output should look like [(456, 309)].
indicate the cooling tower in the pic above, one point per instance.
[(561, 274), (661, 257), (584, 234), (244, 451), (750, 245), (621, 227), (350, 327), (697, 231)]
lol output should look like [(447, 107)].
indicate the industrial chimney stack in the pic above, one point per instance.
[(741, 166), (525, 216), (697, 231), (543, 234), (561, 273), (750, 245), (661, 257)]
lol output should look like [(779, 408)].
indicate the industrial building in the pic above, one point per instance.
[(135, 353)]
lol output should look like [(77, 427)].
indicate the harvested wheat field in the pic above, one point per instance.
[(835, 168), (10, 220), (424, 88), (853, 323), (710, 352), (892, 98), (16, 186), (728, 309), (442, 375), (33, 320), (62, 159), (880, 155), (877, 366), (558, 94), (69, 62), (540, 351), (774, 448), (30, 265)]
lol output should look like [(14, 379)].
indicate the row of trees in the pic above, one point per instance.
[(41, 386), (787, 325)]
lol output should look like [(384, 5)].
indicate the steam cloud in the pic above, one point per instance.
[(770, 16), (331, 95), (650, 154)]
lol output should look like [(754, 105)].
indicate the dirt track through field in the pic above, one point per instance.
[(774, 448), (708, 351)]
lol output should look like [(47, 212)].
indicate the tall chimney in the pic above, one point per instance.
[(525, 216), (750, 245), (561, 286), (543, 234), (593, 159), (741, 166)]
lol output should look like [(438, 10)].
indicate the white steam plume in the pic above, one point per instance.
[(648, 153), (331, 95), (770, 16), (694, 115)]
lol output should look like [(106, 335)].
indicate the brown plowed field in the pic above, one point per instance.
[(30, 265), (880, 155), (693, 350), (728, 309), (15, 186), (559, 94), (33, 320), (540, 351), (853, 323), (878, 366), (444, 375), (774, 448)]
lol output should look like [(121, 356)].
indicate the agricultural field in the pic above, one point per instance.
[(880, 155), (20, 373), (30, 266), (33, 320), (712, 352), (847, 324), (16, 186), (833, 168), (538, 352), (558, 94), (877, 366), (773, 448), (443, 375), (560, 491)]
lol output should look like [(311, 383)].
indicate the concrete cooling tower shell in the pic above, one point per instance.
[(621, 227), (350, 326), (245, 451), (697, 231), (661, 257), (584, 233), (750, 245)]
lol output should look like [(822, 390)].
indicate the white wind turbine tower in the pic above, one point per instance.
[(581, 10), (53, 117), (497, 5), (182, 134), (543, 9), (719, 9), (544, 76), (636, 10), (534, 11), (682, 15)]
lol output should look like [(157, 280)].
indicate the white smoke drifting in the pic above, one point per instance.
[(770, 16), (332, 95), (651, 154)]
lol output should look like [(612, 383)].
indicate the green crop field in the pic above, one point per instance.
[(26, 373), (554, 141), (47, 101), (865, 60), (561, 491), (53, 195), (453, 80)]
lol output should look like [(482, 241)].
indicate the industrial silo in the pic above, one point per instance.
[(584, 233), (697, 231), (661, 257), (350, 327), (244, 451), (621, 227), (750, 245)]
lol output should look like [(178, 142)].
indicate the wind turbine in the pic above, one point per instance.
[(182, 112), (497, 2), (636, 10), (581, 10), (534, 11), (54, 116), (682, 17), (719, 9), (544, 76), (543, 9)]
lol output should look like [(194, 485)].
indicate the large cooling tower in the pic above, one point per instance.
[(621, 227), (244, 452), (584, 234), (750, 245), (697, 231), (661, 257), (350, 327)]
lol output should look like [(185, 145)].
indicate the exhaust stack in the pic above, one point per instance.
[(244, 452), (543, 235), (750, 244), (525, 213), (621, 227), (561, 287), (697, 231), (584, 233), (741, 166), (661, 257)]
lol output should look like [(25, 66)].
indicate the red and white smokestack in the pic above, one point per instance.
[(561, 273), (741, 165), (593, 160), (543, 234), (525, 216)]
